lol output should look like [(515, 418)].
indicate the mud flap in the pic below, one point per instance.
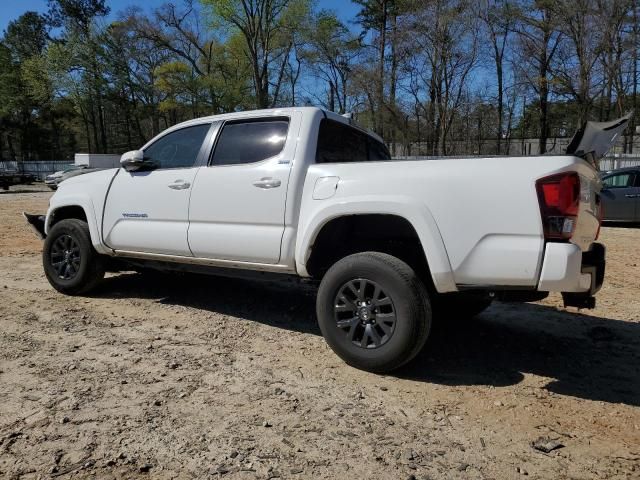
[(579, 300), (36, 222), (593, 263)]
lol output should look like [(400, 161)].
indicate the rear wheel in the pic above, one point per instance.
[(373, 311), (70, 262)]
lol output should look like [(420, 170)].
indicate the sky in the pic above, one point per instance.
[(12, 9)]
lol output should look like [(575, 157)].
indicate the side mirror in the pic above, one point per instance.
[(134, 160)]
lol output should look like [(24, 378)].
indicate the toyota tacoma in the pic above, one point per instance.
[(391, 244)]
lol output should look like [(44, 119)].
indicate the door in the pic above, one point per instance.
[(238, 200), (148, 211), (620, 196)]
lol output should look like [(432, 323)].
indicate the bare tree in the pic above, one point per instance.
[(446, 35), (497, 17), (577, 75), (539, 39)]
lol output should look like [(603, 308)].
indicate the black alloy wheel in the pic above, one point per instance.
[(65, 257), (365, 312)]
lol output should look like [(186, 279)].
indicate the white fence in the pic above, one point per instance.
[(606, 164), (38, 169), (622, 161)]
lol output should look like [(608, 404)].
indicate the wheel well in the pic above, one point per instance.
[(383, 233), (63, 213)]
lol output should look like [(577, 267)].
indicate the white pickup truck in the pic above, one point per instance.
[(304, 192)]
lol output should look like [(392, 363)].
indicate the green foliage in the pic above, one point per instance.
[(9, 82), (27, 36), (76, 13), (270, 29)]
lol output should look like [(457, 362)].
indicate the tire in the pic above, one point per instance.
[(459, 307), (368, 338), (70, 262)]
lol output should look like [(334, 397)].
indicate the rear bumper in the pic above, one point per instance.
[(567, 269)]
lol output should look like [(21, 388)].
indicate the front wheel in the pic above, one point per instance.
[(70, 262), (373, 311)]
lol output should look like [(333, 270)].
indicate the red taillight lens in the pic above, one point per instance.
[(559, 198)]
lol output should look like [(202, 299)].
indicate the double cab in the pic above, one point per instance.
[(390, 244)]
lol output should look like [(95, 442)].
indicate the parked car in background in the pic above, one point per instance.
[(53, 180), (621, 195), (14, 177)]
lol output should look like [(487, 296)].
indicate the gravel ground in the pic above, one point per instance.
[(197, 377)]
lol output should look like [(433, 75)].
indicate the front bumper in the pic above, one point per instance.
[(36, 222), (577, 275)]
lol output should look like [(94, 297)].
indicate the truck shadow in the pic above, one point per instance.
[(585, 356)]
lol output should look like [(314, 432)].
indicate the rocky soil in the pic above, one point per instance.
[(198, 377)]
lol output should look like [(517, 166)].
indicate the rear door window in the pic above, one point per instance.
[(339, 143), (620, 180), (251, 141)]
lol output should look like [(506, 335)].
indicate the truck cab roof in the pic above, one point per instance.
[(287, 111)]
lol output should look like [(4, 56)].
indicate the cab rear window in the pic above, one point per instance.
[(340, 143)]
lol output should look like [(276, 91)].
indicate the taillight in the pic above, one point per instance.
[(559, 198)]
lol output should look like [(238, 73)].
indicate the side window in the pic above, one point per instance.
[(339, 143), (178, 149), (250, 141), (619, 180), (378, 150)]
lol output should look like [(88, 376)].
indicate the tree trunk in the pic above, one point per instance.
[(543, 100), (632, 127), (381, 82), (500, 101), (332, 98), (394, 78)]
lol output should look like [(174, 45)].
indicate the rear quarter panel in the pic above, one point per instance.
[(478, 219)]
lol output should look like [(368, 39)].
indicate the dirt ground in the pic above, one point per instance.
[(198, 377)]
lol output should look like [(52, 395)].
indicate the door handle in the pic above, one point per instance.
[(631, 196), (267, 182), (179, 185)]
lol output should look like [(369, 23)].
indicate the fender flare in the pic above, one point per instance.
[(417, 214), (84, 202)]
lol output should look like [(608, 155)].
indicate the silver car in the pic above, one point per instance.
[(53, 180), (621, 195)]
